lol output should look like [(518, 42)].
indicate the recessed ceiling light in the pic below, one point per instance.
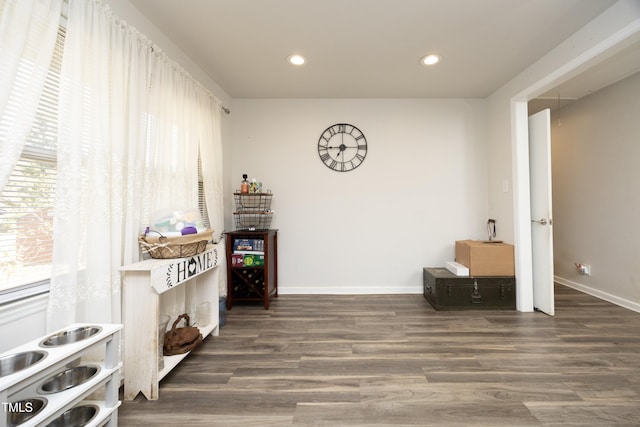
[(431, 59), (296, 59)]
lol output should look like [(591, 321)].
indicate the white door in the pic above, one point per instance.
[(541, 218)]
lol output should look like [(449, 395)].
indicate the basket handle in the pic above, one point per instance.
[(153, 231), (162, 239), (184, 316)]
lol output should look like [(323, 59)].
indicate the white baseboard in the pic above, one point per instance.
[(599, 294), (347, 290)]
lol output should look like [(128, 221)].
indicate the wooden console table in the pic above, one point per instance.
[(163, 286)]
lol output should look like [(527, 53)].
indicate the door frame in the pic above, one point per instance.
[(520, 152)]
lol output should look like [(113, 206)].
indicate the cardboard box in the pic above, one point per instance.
[(250, 245), (237, 260), (486, 258), (253, 260)]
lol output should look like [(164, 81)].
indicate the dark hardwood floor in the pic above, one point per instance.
[(392, 360)]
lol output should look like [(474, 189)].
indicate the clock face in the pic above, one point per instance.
[(342, 147)]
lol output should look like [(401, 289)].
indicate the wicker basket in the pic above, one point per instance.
[(163, 247)]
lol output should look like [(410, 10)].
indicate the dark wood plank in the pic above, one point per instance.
[(392, 360)]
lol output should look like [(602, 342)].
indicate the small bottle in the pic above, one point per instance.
[(244, 185)]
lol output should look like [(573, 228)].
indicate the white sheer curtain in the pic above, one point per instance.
[(28, 30), (211, 155), (130, 123)]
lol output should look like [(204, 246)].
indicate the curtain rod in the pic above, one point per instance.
[(150, 44)]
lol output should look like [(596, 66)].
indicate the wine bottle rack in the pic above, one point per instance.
[(255, 283)]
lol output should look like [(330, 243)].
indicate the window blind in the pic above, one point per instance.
[(27, 201), (202, 201)]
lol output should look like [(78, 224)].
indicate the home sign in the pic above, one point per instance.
[(180, 270)]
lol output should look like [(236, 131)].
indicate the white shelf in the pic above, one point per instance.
[(104, 413), (171, 362), (25, 384)]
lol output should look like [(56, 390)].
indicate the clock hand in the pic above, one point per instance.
[(342, 147)]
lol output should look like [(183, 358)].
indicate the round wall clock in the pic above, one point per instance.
[(342, 147)]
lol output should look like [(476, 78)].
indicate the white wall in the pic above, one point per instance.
[(372, 230), (596, 202), (507, 132), (416, 193), (22, 321)]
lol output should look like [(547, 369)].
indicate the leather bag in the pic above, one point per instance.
[(181, 340)]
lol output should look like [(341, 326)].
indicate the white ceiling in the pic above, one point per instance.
[(367, 48)]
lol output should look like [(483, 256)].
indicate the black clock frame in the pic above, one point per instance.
[(332, 147)]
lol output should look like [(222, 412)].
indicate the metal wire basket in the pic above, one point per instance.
[(252, 220), (253, 211), (253, 202)]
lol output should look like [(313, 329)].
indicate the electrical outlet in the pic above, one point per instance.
[(584, 269)]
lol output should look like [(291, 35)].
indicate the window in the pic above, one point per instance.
[(202, 202), (26, 203)]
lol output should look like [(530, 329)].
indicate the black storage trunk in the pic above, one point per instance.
[(446, 291)]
